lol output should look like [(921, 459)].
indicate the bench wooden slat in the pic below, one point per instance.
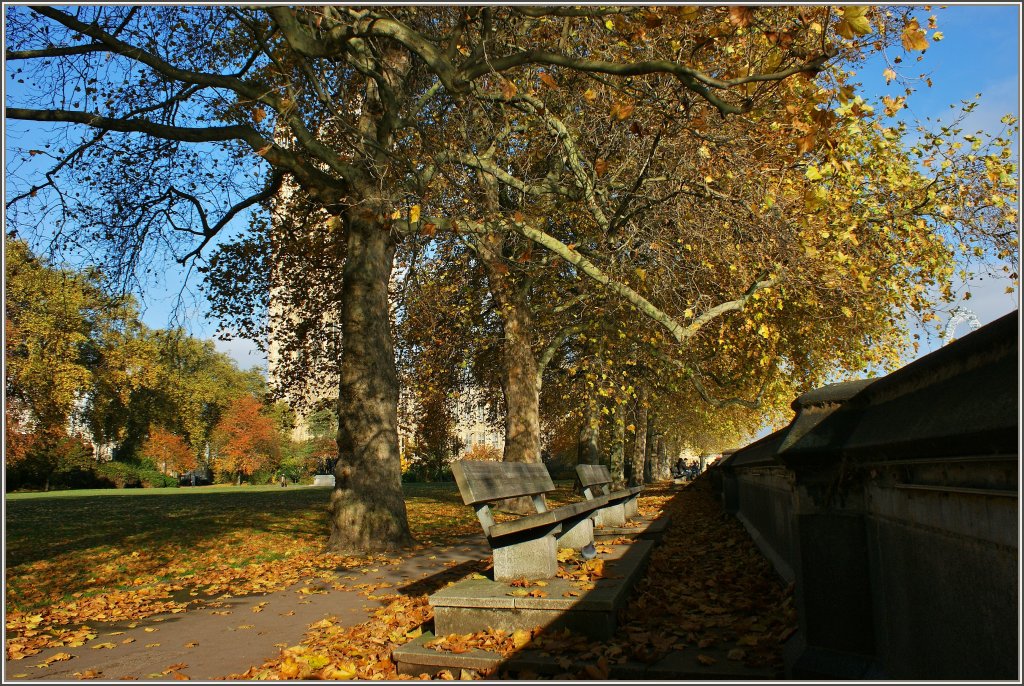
[(481, 482), (593, 474), (597, 475), (540, 519)]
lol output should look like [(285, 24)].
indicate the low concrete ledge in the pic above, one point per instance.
[(475, 604), (414, 659), (649, 528)]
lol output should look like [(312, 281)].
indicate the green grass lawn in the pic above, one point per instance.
[(79, 493), (40, 526)]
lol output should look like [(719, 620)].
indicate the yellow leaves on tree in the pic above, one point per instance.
[(854, 22), (246, 438), (913, 37)]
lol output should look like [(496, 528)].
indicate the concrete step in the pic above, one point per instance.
[(643, 527), (475, 604), (415, 659)]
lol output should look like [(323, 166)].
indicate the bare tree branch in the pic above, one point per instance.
[(13, 55), (209, 232)]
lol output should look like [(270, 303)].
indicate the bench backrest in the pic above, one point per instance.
[(482, 482), (595, 479)]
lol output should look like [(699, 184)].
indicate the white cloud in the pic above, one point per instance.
[(997, 100), (243, 351)]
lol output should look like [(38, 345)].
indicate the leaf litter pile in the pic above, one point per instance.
[(126, 557), (707, 591)]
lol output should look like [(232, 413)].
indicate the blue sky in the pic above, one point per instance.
[(980, 53)]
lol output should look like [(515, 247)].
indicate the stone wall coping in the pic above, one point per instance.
[(960, 399), (831, 394)]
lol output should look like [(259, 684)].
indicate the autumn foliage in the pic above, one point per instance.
[(482, 452), (707, 590), (246, 438), (168, 452)]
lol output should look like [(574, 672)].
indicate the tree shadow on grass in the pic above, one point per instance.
[(46, 528)]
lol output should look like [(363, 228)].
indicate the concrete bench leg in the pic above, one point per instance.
[(529, 559), (630, 507), (577, 535), (613, 515)]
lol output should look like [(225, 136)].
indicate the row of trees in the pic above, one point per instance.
[(86, 382), (684, 210)]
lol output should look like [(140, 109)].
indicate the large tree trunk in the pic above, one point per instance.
[(617, 449), (659, 473), (587, 450), (521, 387), (636, 473), (520, 381), (520, 377), (367, 506), (650, 450)]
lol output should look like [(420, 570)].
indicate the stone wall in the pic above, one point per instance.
[(894, 504)]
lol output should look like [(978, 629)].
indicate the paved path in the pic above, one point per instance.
[(214, 640)]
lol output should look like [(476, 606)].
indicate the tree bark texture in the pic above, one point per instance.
[(367, 507), (588, 451), (520, 377), (659, 473), (617, 450), (636, 472), (650, 450), (520, 381)]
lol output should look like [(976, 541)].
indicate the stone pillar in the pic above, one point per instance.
[(832, 558)]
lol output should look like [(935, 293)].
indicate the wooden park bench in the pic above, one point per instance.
[(619, 506), (525, 547)]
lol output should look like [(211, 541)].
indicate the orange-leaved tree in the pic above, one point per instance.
[(168, 452), (246, 438)]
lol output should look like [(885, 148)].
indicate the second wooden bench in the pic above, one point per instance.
[(597, 484)]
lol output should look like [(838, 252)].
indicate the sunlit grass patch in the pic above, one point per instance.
[(110, 555)]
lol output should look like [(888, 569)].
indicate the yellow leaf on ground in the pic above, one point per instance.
[(520, 637), (737, 654)]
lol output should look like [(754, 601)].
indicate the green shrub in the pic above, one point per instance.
[(124, 475), (260, 477), (121, 474), (51, 461), (151, 478), (78, 477)]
